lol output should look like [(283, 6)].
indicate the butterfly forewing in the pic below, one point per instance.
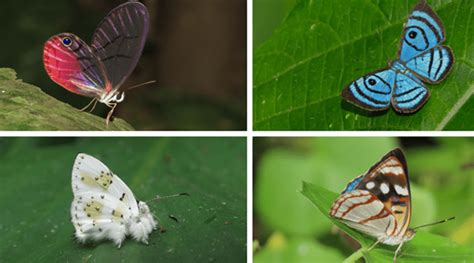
[(71, 63), (119, 39), (380, 203), (91, 175), (423, 31), (373, 91)]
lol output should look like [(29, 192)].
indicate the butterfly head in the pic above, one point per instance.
[(143, 208), (113, 97)]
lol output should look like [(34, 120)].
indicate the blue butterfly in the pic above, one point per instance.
[(421, 58)]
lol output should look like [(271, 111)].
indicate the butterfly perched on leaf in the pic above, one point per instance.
[(378, 203), (104, 207), (421, 58), (98, 70)]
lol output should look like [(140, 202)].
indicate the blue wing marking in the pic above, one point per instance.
[(372, 91), (410, 93), (423, 31), (353, 184), (433, 65)]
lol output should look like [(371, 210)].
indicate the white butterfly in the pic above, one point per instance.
[(104, 207)]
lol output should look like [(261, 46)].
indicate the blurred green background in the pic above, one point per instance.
[(196, 51), (288, 227), (35, 198)]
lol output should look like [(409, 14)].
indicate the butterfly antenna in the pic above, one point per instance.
[(142, 84), (435, 223), (158, 198)]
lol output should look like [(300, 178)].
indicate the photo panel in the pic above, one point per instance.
[(129, 65), (345, 65), (329, 199), (163, 199)]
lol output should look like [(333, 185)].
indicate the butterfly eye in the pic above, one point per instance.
[(372, 82), (67, 41), (412, 34)]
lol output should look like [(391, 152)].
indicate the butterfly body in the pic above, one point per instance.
[(99, 70), (378, 203), (104, 207), (421, 58)]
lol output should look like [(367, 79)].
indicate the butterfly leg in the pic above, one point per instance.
[(90, 103), (109, 115), (397, 251), (93, 106)]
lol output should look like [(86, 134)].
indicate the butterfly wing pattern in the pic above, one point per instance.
[(421, 57), (104, 207), (378, 203), (373, 91), (72, 64)]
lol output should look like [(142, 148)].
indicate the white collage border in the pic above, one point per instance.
[(249, 133)]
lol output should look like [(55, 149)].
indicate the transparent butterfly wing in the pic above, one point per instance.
[(410, 93), (91, 175), (119, 39), (373, 91), (74, 66), (423, 31), (433, 65)]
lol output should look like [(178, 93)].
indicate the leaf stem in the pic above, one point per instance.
[(355, 256)]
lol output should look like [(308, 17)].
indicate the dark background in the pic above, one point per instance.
[(196, 51)]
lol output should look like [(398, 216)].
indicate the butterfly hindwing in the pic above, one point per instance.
[(410, 93), (373, 91), (433, 65), (361, 210), (423, 31), (119, 39), (99, 215)]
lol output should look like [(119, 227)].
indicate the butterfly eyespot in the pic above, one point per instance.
[(372, 82), (67, 41), (412, 34)]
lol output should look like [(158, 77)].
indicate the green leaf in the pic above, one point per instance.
[(323, 45), (35, 197), (26, 107), (424, 247)]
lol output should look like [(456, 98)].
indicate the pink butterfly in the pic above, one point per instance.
[(99, 70)]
